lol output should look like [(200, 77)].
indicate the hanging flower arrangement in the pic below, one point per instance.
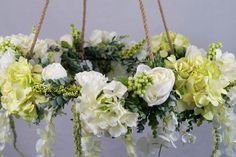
[(115, 88)]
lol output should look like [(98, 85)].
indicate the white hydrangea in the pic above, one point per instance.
[(41, 48), (101, 105)]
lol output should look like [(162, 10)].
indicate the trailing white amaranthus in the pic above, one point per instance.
[(5, 133), (44, 146), (90, 145), (130, 145)]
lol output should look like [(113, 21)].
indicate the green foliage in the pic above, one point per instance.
[(133, 50), (59, 92)]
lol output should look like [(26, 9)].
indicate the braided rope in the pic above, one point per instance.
[(146, 29), (38, 29), (165, 25), (83, 29)]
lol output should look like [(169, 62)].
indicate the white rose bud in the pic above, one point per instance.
[(163, 82), (53, 72)]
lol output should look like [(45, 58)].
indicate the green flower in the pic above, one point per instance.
[(198, 84), (18, 97), (161, 44)]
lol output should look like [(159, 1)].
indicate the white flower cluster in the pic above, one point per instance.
[(42, 48), (101, 105), (5, 132)]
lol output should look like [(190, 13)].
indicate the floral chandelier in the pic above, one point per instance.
[(115, 88)]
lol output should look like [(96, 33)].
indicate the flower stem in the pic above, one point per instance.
[(13, 129), (77, 132)]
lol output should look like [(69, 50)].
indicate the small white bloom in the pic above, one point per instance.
[(142, 55), (163, 82), (67, 38), (99, 36), (228, 67), (114, 88), (5, 60), (53, 72), (171, 122), (193, 51), (117, 69), (232, 95), (188, 138)]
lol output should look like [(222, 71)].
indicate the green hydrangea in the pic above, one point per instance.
[(160, 43), (198, 85), (17, 95)]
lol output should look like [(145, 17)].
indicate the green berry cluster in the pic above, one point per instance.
[(7, 44), (212, 50), (139, 84), (67, 91), (133, 50)]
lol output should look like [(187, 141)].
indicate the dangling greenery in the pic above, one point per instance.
[(77, 132)]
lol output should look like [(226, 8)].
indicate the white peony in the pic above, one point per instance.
[(53, 72), (99, 36), (163, 82), (101, 105), (67, 38)]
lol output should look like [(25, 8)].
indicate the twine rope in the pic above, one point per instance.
[(38, 29), (165, 25), (146, 29), (83, 29)]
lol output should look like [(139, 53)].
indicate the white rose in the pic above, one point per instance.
[(53, 72), (163, 82), (67, 38)]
